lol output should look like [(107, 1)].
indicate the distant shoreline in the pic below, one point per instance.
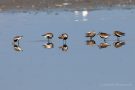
[(36, 5)]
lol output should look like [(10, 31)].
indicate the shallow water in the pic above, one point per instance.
[(82, 67)]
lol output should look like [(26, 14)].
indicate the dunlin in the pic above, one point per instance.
[(103, 35), (90, 34), (48, 36), (17, 39), (64, 37), (119, 34)]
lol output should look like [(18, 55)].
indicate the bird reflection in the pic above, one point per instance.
[(64, 47), (118, 44), (103, 45), (90, 42), (48, 45), (17, 48)]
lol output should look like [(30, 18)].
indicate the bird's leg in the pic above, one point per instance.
[(18, 42), (118, 39), (90, 38), (64, 42), (48, 40), (105, 40)]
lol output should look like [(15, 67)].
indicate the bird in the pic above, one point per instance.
[(118, 34), (17, 39), (17, 48), (64, 37), (48, 36), (90, 42), (118, 44), (64, 47), (103, 45), (90, 34), (48, 45), (103, 35)]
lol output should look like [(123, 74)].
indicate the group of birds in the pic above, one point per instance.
[(64, 37), (49, 36), (49, 44), (104, 36)]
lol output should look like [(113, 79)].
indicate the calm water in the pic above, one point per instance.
[(82, 67)]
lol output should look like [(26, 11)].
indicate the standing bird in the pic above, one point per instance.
[(118, 34), (48, 36), (104, 35), (17, 38), (90, 34), (64, 37)]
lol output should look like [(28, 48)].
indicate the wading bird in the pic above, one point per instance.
[(48, 36), (90, 34), (104, 35), (64, 37), (17, 39), (118, 34)]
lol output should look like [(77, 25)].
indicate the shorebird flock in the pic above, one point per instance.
[(64, 37), (119, 43)]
